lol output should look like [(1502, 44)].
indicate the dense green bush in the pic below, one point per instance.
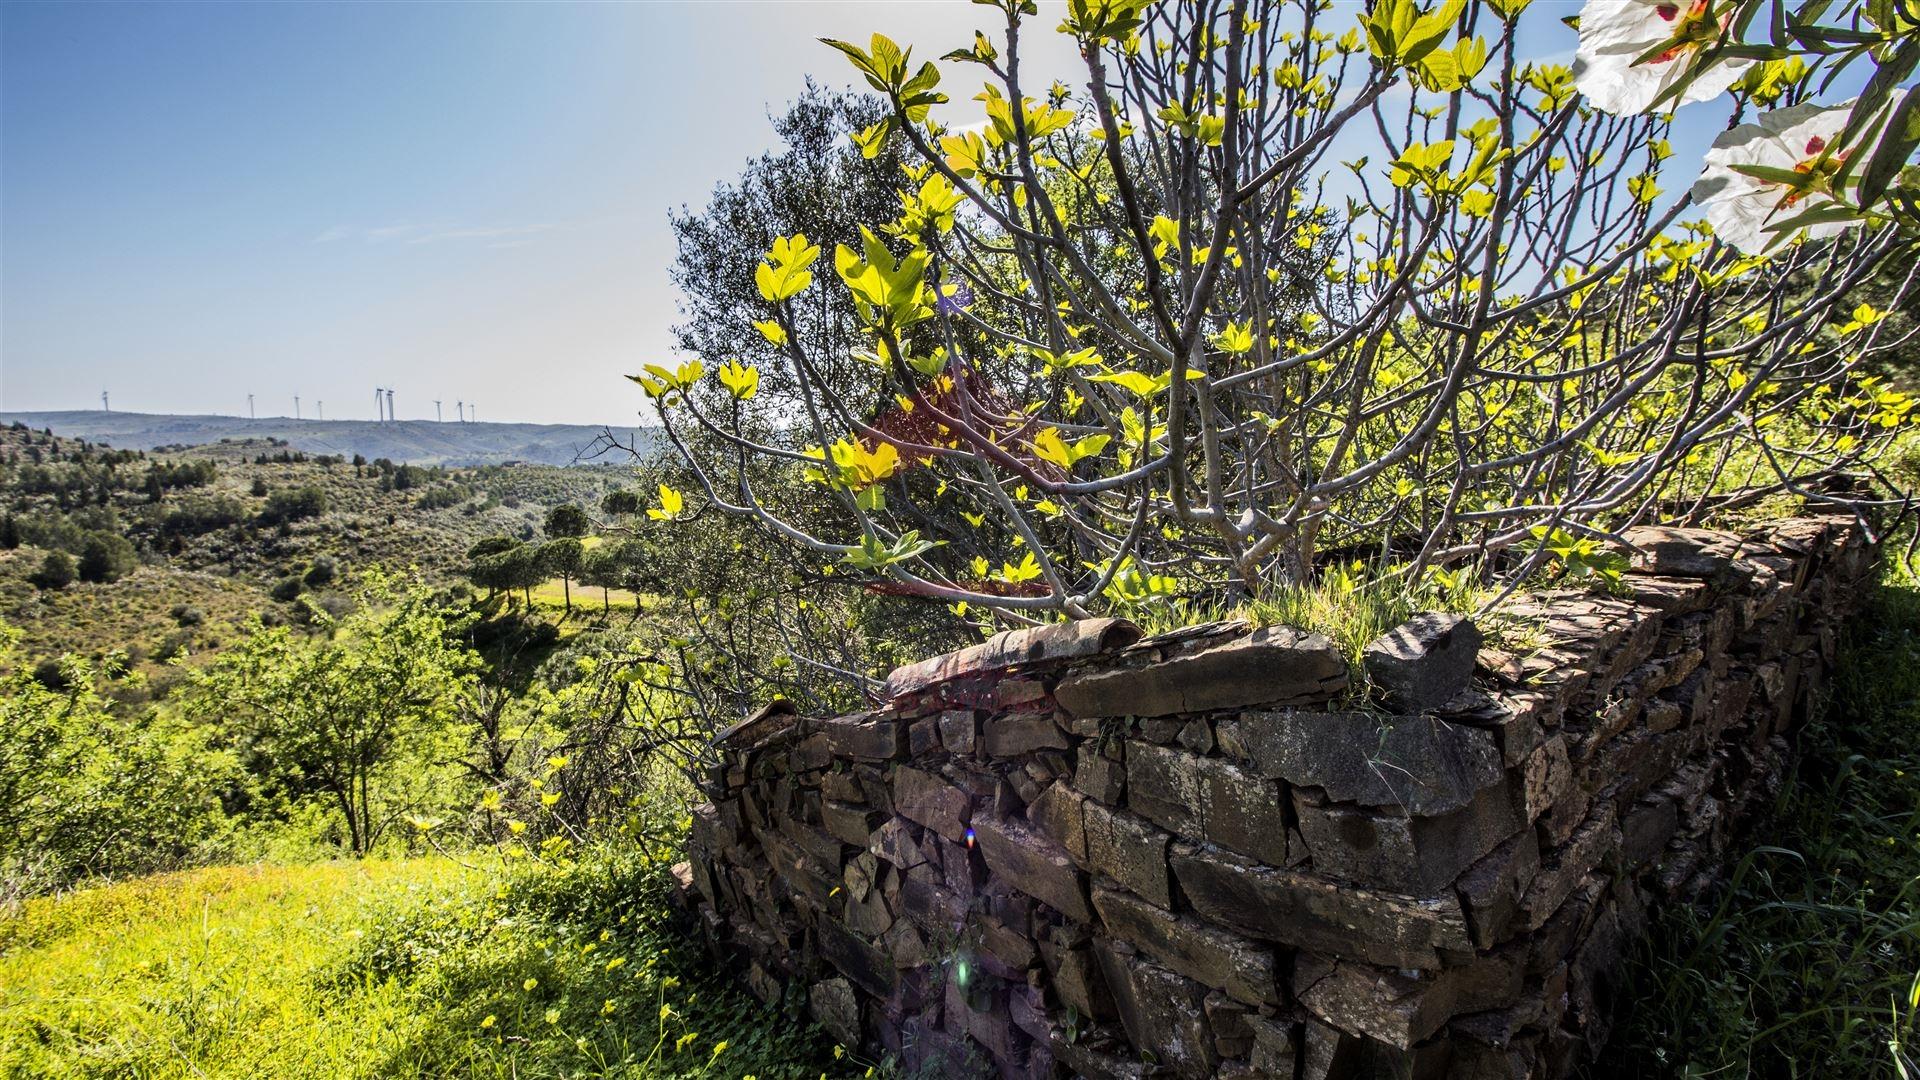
[(106, 557), (293, 505), (322, 572), (202, 516), (442, 496), (56, 571), (88, 790)]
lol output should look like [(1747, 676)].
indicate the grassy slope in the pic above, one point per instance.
[(414, 968), (202, 973), (132, 613)]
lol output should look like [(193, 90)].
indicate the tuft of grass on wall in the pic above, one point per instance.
[(1807, 963), (1351, 606)]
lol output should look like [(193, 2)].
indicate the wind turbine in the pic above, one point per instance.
[(296, 406), (389, 402), (250, 406), (320, 408), (104, 407), (460, 411), (379, 409), (436, 410)]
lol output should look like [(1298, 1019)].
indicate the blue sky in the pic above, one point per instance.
[(200, 201), (464, 201)]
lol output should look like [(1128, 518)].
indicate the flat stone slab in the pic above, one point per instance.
[(1274, 665), (771, 719), (863, 737), (1311, 913), (928, 800), (1208, 798), (833, 1004), (1022, 733), (1422, 764), (1162, 1011), (1396, 1009), (1688, 553), (1014, 648), (1129, 850), (856, 959), (1420, 856), (1213, 957), (1034, 865)]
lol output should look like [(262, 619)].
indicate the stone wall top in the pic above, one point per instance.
[(1015, 648)]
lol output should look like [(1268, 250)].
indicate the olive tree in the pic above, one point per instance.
[(364, 720), (1098, 372)]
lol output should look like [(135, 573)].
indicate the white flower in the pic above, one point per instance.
[(1616, 33), (1741, 207)]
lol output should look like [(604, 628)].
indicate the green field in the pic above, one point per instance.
[(587, 598)]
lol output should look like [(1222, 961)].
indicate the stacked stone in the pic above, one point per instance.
[(1218, 852)]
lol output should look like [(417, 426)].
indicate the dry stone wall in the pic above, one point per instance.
[(1218, 852)]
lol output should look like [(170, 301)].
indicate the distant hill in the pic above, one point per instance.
[(420, 442)]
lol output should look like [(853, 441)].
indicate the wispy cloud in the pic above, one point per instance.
[(492, 235)]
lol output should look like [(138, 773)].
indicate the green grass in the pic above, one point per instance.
[(1805, 964), (201, 973), (1348, 605), (412, 968), (586, 598)]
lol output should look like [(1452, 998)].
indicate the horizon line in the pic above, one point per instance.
[(7, 412)]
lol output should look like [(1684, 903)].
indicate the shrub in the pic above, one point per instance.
[(51, 674), (287, 506), (441, 496), (620, 503), (85, 791), (56, 571), (202, 517), (106, 557), (173, 644), (322, 572)]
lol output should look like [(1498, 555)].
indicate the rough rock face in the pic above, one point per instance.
[(1425, 662), (1068, 851)]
